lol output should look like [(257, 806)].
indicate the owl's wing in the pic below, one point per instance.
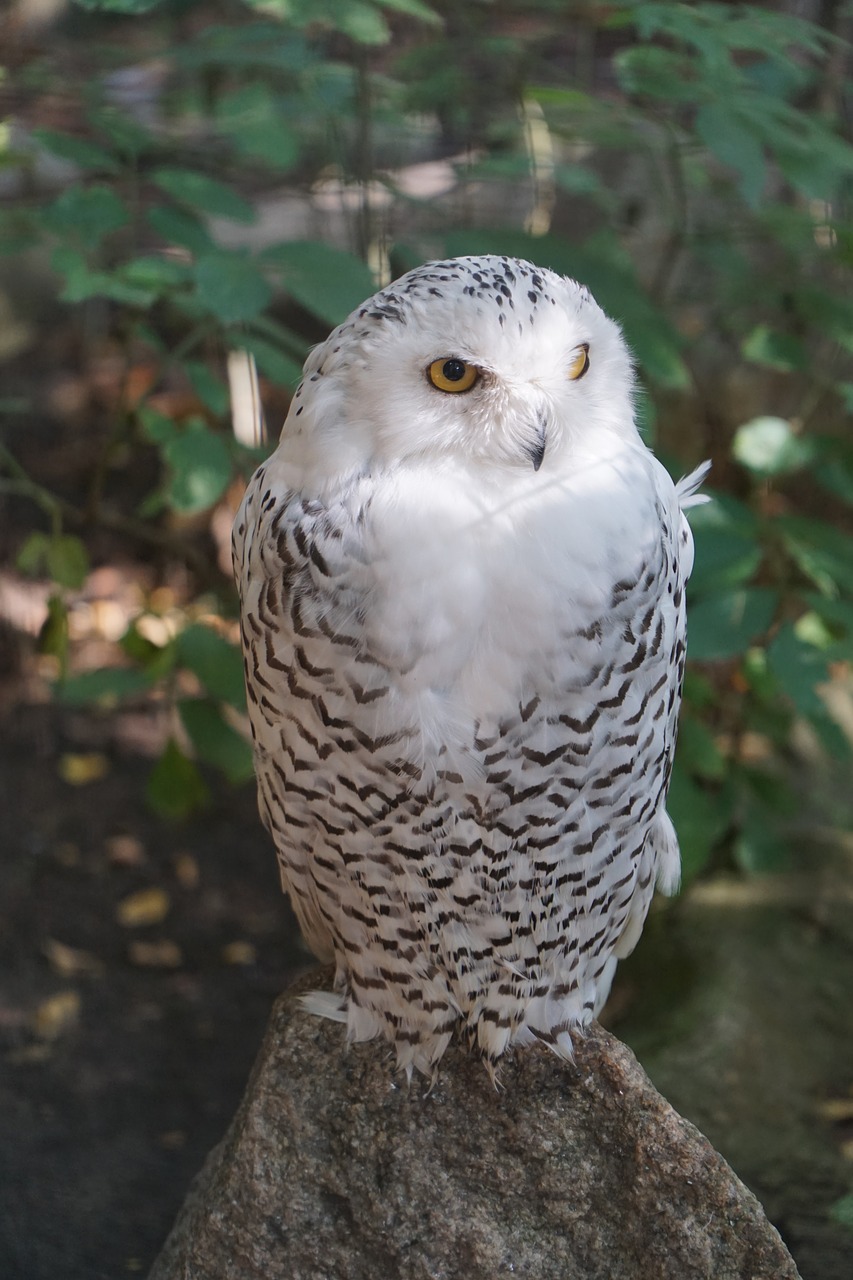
[(296, 565), (662, 851)]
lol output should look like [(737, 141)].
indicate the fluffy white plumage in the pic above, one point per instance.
[(463, 622)]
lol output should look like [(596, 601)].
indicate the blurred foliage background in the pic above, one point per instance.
[(193, 180), (259, 168)]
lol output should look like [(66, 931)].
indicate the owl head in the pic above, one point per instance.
[(484, 359)]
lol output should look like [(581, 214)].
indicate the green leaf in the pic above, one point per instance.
[(67, 561), (775, 350), (230, 285), (124, 132), (175, 787), (700, 817), (215, 741), (81, 283), (698, 751), (272, 362), (200, 466), (252, 118), (822, 552), (158, 428), (216, 664), (157, 660), (204, 194), (769, 447), (728, 550), (842, 1211), (176, 226), (63, 557), (758, 846), (106, 686), (86, 213), (328, 282), (731, 137), (78, 150), (798, 667), (156, 274), (32, 557), (53, 637), (212, 392), (118, 6), (413, 9), (724, 625)]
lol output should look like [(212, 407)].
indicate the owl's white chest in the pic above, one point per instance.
[(475, 583)]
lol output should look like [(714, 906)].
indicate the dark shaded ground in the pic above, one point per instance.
[(106, 1119)]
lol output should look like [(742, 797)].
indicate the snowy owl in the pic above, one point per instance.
[(462, 581)]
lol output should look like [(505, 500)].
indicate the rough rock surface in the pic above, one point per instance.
[(334, 1169)]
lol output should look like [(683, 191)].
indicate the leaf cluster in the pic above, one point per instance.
[(732, 116)]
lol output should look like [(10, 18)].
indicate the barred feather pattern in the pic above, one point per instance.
[(463, 683)]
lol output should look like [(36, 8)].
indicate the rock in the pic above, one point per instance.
[(335, 1169)]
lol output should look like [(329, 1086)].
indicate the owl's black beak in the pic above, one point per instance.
[(536, 450)]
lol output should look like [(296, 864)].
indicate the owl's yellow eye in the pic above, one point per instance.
[(453, 375), (580, 364)]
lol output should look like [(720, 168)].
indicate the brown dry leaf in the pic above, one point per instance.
[(847, 1149), (40, 1051), (67, 854), (56, 1015), (70, 961), (125, 851), (163, 954), (172, 1139), (239, 953), (146, 906), (836, 1109), (186, 870), (82, 767)]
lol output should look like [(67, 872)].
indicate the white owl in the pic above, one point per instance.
[(462, 579)]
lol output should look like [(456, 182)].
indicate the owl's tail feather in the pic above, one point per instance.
[(325, 1004), (687, 487)]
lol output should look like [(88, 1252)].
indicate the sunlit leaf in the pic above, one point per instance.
[(144, 907), (80, 768), (769, 447)]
